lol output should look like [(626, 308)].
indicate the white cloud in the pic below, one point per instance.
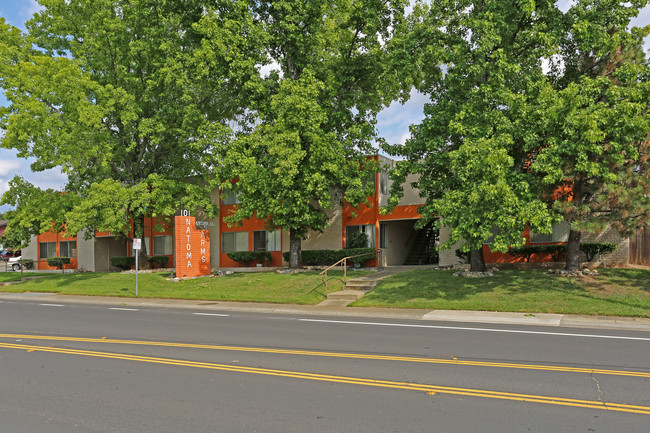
[(394, 121), (9, 167)]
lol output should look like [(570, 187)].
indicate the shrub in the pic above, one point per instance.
[(245, 257), (123, 263), (26, 263), (58, 262), (357, 240), (329, 257), (592, 248), (462, 256), (160, 261), (557, 252), (525, 251)]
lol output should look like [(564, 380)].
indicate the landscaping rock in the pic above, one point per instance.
[(578, 273), (470, 274)]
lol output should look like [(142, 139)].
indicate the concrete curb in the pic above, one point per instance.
[(338, 308)]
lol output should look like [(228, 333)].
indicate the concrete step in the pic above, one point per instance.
[(360, 283), (348, 295)]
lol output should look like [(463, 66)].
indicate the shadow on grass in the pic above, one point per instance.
[(514, 289), (63, 280), (432, 285)]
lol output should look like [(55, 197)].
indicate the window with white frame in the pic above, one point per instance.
[(162, 245), (68, 248), (234, 241), (267, 240), (560, 233), (369, 230), (46, 250)]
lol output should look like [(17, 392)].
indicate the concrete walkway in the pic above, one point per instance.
[(484, 317)]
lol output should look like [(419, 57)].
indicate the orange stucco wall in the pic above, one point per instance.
[(165, 229), (54, 237), (249, 225), (497, 257)]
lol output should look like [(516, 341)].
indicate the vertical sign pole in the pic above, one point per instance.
[(136, 246)]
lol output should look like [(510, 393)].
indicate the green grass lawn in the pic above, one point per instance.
[(615, 292), (7, 277), (303, 288)]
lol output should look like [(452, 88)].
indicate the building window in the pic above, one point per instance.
[(382, 236), (367, 229), (162, 245), (266, 241), (560, 233), (229, 197), (46, 250), (234, 241), (384, 183), (68, 248)]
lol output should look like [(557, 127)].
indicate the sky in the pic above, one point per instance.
[(392, 123)]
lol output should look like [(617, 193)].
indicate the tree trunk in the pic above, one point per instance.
[(295, 250), (138, 232), (476, 261), (573, 251)]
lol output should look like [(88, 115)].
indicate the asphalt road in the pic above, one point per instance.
[(115, 368)]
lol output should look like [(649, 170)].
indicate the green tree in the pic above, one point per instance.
[(110, 92), (479, 62), (311, 120), (593, 119)]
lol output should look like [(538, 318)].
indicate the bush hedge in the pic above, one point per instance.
[(160, 261), (123, 263), (592, 248), (329, 257), (557, 252), (58, 262), (357, 240), (464, 256), (245, 257), (26, 263)]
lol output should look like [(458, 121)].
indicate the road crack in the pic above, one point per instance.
[(600, 391)]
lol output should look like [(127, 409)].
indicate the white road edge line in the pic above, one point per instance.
[(459, 328), (211, 314), (52, 305), (124, 309)]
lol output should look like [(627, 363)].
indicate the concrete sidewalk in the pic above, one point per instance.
[(323, 309)]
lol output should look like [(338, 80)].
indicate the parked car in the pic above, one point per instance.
[(14, 263)]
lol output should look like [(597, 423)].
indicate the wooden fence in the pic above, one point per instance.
[(640, 247)]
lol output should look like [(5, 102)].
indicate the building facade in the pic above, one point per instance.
[(394, 234)]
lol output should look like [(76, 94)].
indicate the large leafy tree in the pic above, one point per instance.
[(480, 63), (109, 91), (310, 126), (594, 123)]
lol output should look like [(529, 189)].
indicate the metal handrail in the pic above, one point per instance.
[(345, 267)]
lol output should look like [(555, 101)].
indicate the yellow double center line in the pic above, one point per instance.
[(431, 389), (337, 355)]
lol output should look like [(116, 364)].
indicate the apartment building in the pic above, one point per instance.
[(393, 234)]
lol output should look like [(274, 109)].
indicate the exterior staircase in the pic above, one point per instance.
[(423, 251), (354, 289)]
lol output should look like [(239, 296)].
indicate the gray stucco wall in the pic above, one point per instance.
[(31, 251), (85, 253)]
